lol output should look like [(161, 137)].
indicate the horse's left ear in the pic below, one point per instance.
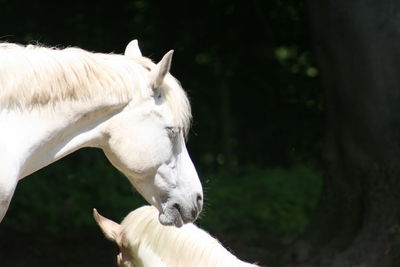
[(132, 49), (160, 71), (110, 228)]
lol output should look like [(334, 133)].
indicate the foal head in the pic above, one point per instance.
[(146, 141), (143, 241)]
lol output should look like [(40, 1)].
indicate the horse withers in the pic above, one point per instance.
[(55, 101)]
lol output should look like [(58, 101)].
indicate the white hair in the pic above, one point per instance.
[(36, 76), (150, 242)]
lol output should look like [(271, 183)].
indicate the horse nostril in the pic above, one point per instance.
[(199, 202), (177, 206), (199, 198)]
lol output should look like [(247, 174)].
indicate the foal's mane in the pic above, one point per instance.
[(35, 76), (175, 246)]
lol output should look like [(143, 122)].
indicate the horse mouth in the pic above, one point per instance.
[(172, 216)]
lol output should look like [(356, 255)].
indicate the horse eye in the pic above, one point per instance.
[(157, 93), (172, 131)]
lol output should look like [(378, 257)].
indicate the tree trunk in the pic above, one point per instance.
[(357, 221)]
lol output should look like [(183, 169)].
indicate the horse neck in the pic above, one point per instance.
[(33, 139), (55, 103)]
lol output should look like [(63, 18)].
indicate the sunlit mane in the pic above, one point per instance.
[(35, 76), (185, 246)]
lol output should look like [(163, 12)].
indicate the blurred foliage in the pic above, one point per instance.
[(59, 198), (274, 201)]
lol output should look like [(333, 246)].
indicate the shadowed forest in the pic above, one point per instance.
[(295, 131)]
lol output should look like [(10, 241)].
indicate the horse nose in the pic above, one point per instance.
[(189, 213)]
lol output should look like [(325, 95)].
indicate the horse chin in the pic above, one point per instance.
[(171, 217)]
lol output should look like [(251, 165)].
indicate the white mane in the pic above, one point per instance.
[(35, 76), (149, 241)]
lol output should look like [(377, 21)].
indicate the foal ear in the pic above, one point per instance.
[(110, 228), (160, 71), (132, 49)]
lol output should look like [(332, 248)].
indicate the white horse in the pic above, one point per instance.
[(55, 101), (144, 242)]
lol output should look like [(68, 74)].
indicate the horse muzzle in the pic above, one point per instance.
[(178, 213)]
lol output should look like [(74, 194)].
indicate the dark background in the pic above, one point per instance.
[(259, 128)]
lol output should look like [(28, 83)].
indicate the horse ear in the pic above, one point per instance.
[(110, 228), (132, 49), (160, 71)]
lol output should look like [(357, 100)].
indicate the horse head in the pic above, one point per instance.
[(146, 142)]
